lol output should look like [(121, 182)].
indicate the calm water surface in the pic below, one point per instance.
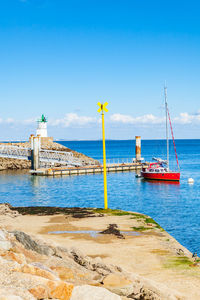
[(174, 206)]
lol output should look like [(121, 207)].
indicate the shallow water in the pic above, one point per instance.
[(93, 233), (174, 206)]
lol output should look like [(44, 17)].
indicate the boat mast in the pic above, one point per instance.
[(166, 114)]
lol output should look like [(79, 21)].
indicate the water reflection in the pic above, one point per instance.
[(35, 182), (162, 182)]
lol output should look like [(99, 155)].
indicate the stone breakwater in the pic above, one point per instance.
[(20, 164), (37, 265)]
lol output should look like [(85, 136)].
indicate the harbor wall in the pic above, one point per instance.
[(48, 144)]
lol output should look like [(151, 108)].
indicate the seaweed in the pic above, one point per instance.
[(113, 229), (141, 228), (178, 262)]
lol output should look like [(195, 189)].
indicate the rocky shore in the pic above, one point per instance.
[(91, 254), (20, 164)]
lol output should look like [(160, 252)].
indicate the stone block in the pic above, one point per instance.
[(4, 242), (18, 257), (86, 292), (33, 270), (60, 290)]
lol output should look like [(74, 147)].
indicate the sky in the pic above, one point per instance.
[(61, 57)]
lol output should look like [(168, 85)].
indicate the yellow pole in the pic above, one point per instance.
[(102, 108), (104, 164)]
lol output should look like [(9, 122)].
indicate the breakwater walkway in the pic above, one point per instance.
[(96, 169)]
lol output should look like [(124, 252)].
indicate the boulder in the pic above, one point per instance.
[(144, 288), (30, 244), (116, 280), (5, 210), (10, 297), (40, 291), (35, 270), (60, 290), (118, 284), (10, 255), (13, 294), (89, 264), (86, 292), (64, 273), (52, 290), (4, 242)]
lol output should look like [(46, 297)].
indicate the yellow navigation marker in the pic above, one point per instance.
[(102, 108)]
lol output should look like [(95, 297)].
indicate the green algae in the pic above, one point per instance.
[(151, 221), (181, 262), (117, 212), (114, 212), (141, 228), (140, 217)]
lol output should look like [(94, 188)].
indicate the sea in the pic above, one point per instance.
[(174, 206)]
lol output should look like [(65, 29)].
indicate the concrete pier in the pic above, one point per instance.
[(87, 170)]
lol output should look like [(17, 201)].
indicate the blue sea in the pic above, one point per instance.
[(174, 206)]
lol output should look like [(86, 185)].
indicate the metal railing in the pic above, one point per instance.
[(15, 152), (61, 157), (45, 156), (115, 160)]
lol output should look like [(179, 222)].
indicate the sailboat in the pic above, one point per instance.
[(159, 170)]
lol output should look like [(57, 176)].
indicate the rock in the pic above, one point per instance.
[(86, 262), (67, 269), (52, 289), (144, 294), (13, 164), (63, 272), (43, 267), (30, 244), (144, 288), (34, 270), (116, 280), (118, 284), (4, 243), (80, 259), (86, 292), (60, 290), (5, 210), (113, 229), (10, 297), (5, 294), (180, 252), (18, 257), (40, 291)]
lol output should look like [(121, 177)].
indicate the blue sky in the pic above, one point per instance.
[(61, 57)]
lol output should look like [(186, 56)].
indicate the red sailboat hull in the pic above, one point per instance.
[(167, 176)]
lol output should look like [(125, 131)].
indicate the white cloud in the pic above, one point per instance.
[(127, 119), (186, 118), (29, 121), (9, 121), (183, 118), (73, 119)]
